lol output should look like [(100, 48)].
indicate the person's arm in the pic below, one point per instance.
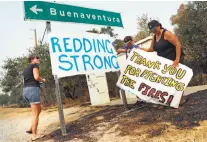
[(121, 50), (173, 39), (37, 75), (149, 49), (137, 46)]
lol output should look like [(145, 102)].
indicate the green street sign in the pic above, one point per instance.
[(47, 11)]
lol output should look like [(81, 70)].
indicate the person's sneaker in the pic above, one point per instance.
[(140, 104)]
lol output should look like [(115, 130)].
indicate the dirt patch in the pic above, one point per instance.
[(149, 123), (113, 123), (6, 113)]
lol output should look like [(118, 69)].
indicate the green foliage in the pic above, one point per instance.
[(190, 27), (4, 99), (105, 30), (118, 43), (143, 30), (93, 31), (109, 31), (13, 69), (72, 84)]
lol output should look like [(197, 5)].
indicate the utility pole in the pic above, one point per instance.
[(35, 36)]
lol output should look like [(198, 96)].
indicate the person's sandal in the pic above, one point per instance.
[(34, 138), (29, 132)]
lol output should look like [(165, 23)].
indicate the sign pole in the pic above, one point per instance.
[(123, 94), (58, 96), (35, 36)]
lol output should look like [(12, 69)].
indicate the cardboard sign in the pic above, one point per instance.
[(153, 79), (82, 53)]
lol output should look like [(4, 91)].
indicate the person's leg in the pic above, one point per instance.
[(36, 109), (30, 129), (26, 97)]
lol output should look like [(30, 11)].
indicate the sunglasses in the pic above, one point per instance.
[(37, 57)]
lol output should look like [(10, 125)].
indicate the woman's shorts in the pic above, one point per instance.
[(32, 94)]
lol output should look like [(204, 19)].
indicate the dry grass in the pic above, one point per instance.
[(113, 124)]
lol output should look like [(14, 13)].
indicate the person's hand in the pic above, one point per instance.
[(118, 52), (175, 63), (44, 80)]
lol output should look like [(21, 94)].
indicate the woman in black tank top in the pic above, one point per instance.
[(165, 43)]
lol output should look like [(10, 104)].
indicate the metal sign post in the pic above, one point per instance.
[(123, 95), (58, 96)]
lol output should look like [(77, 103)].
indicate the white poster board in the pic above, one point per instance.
[(98, 88), (153, 79), (81, 53)]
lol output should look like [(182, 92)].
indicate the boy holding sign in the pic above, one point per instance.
[(129, 45)]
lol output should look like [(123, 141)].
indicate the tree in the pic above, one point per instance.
[(108, 30), (190, 27), (118, 43), (143, 30), (93, 31), (73, 84), (13, 69), (104, 30), (4, 99)]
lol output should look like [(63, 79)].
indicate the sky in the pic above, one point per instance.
[(16, 36)]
